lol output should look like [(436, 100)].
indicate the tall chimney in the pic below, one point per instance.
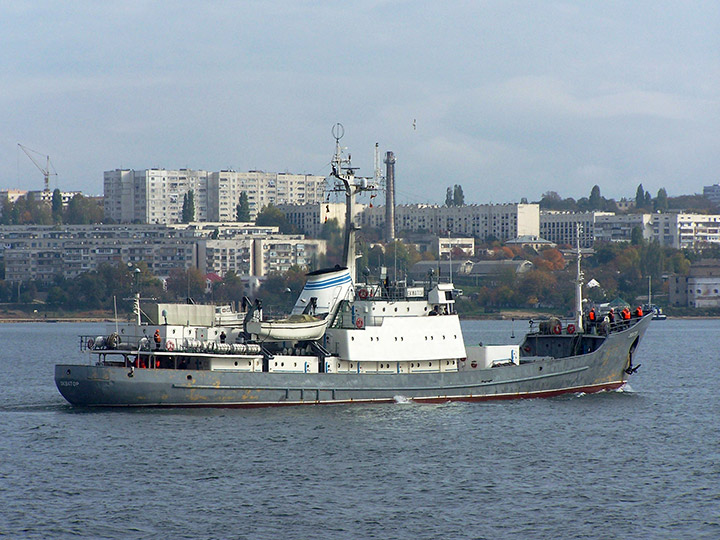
[(390, 197)]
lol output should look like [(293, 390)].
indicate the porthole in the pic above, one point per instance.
[(383, 310), (371, 338), (351, 366), (352, 338), (275, 364), (295, 364), (443, 337), (432, 337), (407, 309), (402, 338), (425, 338), (282, 364), (429, 364), (395, 338), (236, 363), (395, 310), (189, 377)]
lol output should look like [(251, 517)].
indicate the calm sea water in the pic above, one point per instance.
[(643, 463)]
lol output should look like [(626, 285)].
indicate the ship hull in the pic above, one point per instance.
[(100, 385)]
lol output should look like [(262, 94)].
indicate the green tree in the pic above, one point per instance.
[(458, 196), (449, 201), (661, 201), (595, 201), (636, 236), (242, 210), (186, 283), (640, 197), (271, 215), (188, 208), (57, 206), (83, 210)]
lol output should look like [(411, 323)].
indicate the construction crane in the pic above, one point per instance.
[(46, 171)]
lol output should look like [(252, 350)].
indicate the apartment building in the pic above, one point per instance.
[(42, 252), (485, 221), (562, 228)]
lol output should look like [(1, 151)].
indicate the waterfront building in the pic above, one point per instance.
[(699, 289)]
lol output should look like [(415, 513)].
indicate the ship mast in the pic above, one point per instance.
[(342, 170), (578, 286)]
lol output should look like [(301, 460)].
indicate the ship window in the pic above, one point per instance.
[(383, 310), (295, 365), (407, 309), (402, 338), (429, 364), (236, 363), (395, 338), (443, 337), (352, 338), (371, 338), (432, 337), (395, 310), (425, 338)]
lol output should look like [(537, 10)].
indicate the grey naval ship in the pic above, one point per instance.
[(345, 341)]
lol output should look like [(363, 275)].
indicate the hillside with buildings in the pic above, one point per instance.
[(169, 221)]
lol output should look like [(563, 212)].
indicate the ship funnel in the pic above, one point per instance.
[(329, 287)]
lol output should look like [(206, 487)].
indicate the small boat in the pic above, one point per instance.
[(346, 341), (657, 312), (294, 328)]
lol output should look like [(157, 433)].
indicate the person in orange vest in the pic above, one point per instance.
[(157, 338), (639, 312), (625, 314)]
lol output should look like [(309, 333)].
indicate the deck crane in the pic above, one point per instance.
[(46, 171)]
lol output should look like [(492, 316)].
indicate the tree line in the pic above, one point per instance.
[(27, 210)]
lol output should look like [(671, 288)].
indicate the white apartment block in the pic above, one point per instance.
[(619, 228), (156, 195), (561, 228), (153, 195), (686, 231), (262, 189), (500, 221)]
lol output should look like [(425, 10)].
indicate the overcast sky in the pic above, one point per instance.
[(510, 99)]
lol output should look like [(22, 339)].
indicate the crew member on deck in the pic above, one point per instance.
[(639, 312), (157, 339)]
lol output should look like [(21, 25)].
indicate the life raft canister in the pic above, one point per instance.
[(359, 323)]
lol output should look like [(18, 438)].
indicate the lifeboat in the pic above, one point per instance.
[(294, 328)]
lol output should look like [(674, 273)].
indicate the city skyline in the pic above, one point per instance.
[(510, 100)]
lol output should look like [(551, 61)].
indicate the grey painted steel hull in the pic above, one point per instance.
[(99, 385)]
